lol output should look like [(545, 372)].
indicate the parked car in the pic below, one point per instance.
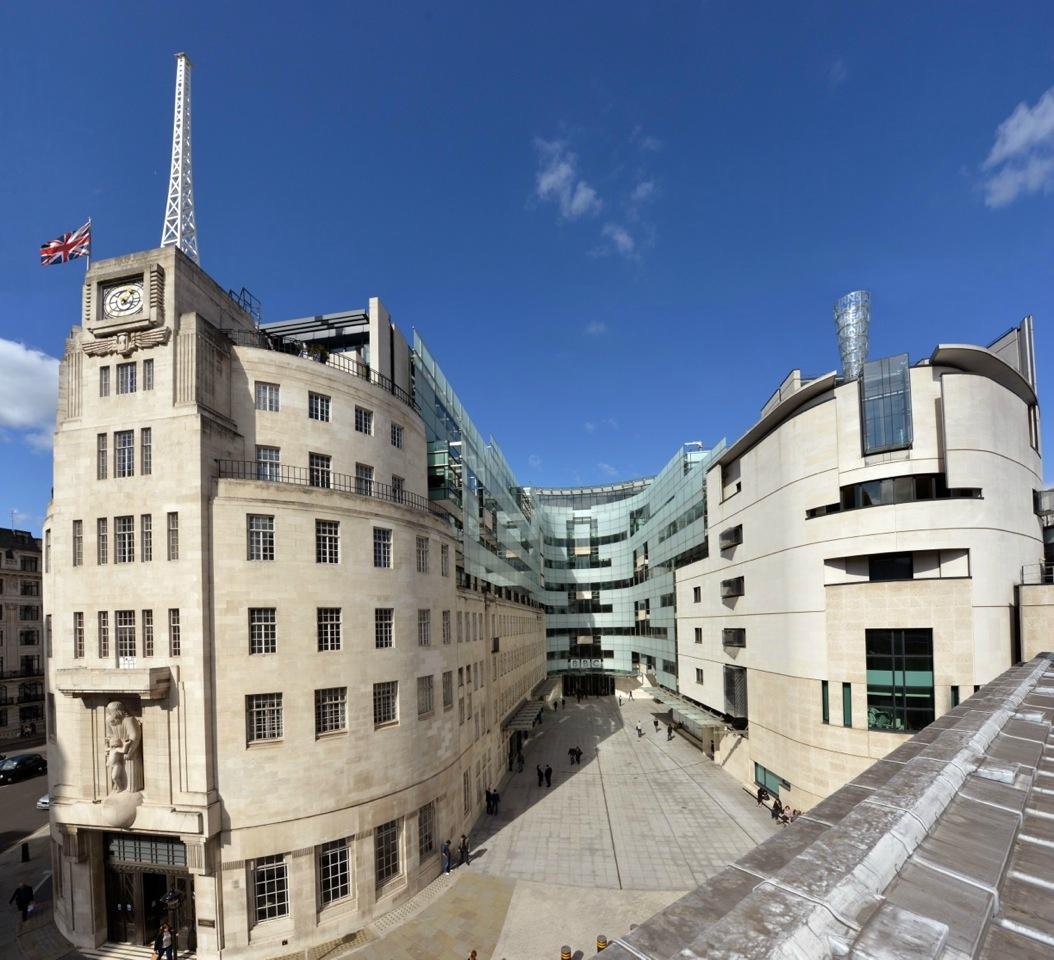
[(22, 767), (44, 803)]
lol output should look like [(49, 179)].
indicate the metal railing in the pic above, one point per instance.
[(297, 348), (1037, 573), (22, 672), (267, 472)]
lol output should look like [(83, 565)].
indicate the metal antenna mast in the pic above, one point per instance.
[(180, 229)]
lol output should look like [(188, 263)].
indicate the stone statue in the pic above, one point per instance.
[(124, 749)]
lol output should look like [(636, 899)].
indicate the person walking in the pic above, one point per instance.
[(578, 755), (640, 731), (164, 949), (22, 899), (519, 763), (495, 797), (655, 720), (620, 701), (571, 754), (489, 805), (563, 704), (541, 775), (548, 776), (669, 732), (462, 851), (444, 853)]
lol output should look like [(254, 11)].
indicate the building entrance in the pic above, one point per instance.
[(588, 684), (147, 883)]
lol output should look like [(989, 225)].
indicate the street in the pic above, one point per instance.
[(19, 815)]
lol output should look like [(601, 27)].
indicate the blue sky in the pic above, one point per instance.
[(616, 225)]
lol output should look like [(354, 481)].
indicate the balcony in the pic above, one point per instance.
[(732, 537), (37, 671), (1035, 574), (734, 637), (266, 472), (732, 588)]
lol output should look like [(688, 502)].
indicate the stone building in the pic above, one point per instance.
[(21, 636), (868, 542), (275, 687)]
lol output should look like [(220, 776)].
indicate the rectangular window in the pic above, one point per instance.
[(398, 488), (825, 702), (146, 537), (101, 540), (422, 554), (101, 456), (123, 539), (698, 674), (444, 560), (954, 697), (104, 381), (78, 543), (263, 630), (331, 710), (899, 679), (697, 594), (260, 536), (47, 550), (78, 635), (148, 633), (890, 566), (270, 887), (382, 547), (448, 689), (386, 840), (460, 626), (424, 628), (174, 640), (770, 781), (328, 627), (364, 479), (847, 704), (327, 541), (47, 635), (318, 406), (126, 378), (466, 790), (267, 396), (148, 374), (124, 453), (334, 871), (363, 420), (425, 697), (397, 435), (263, 717), (267, 463), (125, 631), (385, 702), (885, 405), (382, 626), (446, 626), (698, 634), (173, 536), (318, 469), (426, 830), (146, 452), (104, 634)]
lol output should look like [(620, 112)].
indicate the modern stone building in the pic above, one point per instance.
[(275, 683), (21, 636), (868, 539)]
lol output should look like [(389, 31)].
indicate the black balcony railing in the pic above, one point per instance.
[(1037, 573), (22, 672), (31, 697), (267, 472), (296, 348)]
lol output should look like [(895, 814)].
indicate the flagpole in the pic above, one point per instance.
[(87, 259)]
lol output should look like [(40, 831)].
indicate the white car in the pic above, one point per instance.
[(44, 803)]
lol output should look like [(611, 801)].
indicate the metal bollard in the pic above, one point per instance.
[(25, 853), (602, 942), (565, 952)]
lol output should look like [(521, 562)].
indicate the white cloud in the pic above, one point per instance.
[(534, 461), (590, 426), (596, 327), (607, 469), (557, 180), (28, 391), (642, 191), (619, 239), (1021, 160), (644, 141), (837, 72)]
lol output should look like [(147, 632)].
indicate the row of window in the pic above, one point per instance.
[(268, 398), (26, 588), (260, 544), (126, 641), (335, 881), (127, 379), (263, 628), (124, 540), (124, 453)]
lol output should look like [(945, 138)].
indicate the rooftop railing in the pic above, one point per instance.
[(267, 472), (1037, 573), (297, 348)]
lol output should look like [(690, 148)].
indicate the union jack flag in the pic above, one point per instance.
[(68, 246)]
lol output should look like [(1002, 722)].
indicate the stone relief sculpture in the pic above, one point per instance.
[(124, 749)]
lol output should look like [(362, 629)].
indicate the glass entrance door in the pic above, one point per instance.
[(121, 897)]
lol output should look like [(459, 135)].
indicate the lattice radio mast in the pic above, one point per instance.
[(180, 229)]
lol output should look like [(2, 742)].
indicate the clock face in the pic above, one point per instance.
[(123, 299)]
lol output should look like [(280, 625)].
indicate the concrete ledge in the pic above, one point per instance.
[(150, 683)]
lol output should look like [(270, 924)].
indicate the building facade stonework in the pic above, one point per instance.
[(21, 637), (275, 689)]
